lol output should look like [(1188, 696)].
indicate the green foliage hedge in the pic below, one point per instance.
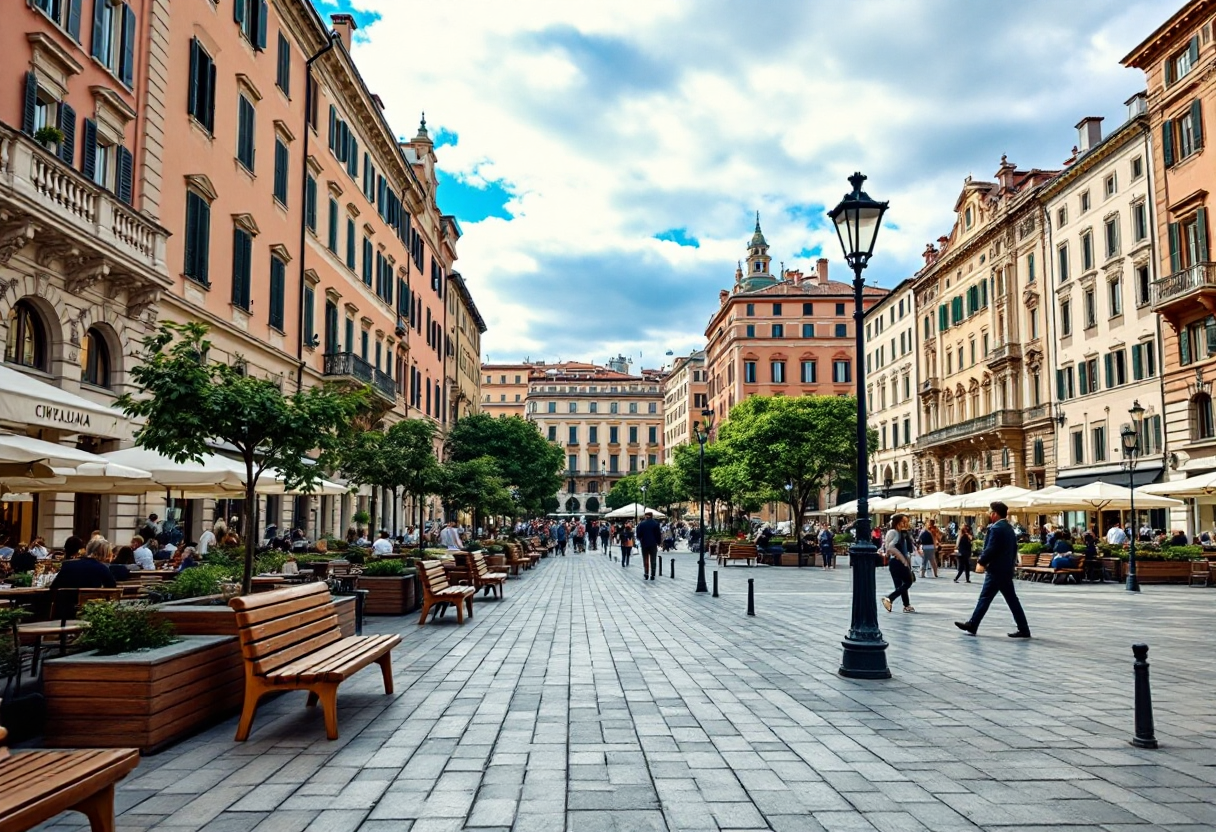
[(384, 569), (123, 628)]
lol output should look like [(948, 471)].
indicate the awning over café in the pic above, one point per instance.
[(25, 400)]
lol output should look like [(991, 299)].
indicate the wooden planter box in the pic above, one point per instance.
[(147, 699), (1162, 571), (389, 595), (198, 617)]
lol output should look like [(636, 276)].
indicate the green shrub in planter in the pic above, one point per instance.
[(21, 579), (198, 581), (1171, 553), (384, 569), (356, 555), (1030, 548), (9, 657), (123, 628), (843, 539)]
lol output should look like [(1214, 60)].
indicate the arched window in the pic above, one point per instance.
[(26, 338), (593, 505), (903, 471), (572, 505), (1038, 452), (1202, 425), (95, 360)]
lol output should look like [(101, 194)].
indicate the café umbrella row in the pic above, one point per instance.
[(1097, 496), (29, 465)]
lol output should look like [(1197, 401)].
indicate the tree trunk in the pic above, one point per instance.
[(372, 526), (248, 519)]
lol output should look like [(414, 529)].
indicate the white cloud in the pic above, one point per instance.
[(612, 122)]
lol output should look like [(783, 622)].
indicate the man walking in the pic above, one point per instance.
[(999, 557), (650, 535)]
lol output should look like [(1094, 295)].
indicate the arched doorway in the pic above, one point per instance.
[(572, 505), (593, 505), (969, 485)]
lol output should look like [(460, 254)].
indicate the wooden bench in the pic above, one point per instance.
[(516, 558), (1043, 569), (38, 785), (436, 591), (291, 641), (738, 551), (481, 577)]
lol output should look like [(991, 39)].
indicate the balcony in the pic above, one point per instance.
[(981, 424), (93, 235), (1184, 287), (347, 365), (1004, 354), (1034, 414), (933, 384)]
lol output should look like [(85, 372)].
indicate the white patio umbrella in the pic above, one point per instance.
[(631, 510), (876, 504), (1200, 485), (213, 470), (17, 448), (983, 499), (842, 509), (934, 503), (1027, 500), (1097, 496)]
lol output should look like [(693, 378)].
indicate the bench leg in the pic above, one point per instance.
[(253, 693), (469, 603), (99, 809), (459, 612), (426, 607), (329, 706), (386, 670), (312, 700)]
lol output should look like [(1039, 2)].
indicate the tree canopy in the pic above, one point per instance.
[(187, 403), (526, 461)]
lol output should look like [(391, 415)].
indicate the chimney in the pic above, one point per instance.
[(722, 296), (795, 276), (344, 25), (930, 254), (1004, 174), (1089, 133), (1137, 105), (821, 271)]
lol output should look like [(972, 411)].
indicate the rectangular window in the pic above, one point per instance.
[(332, 240), (251, 17), (572, 438), (842, 371), (350, 243), (1140, 221), (776, 310), (368, 261), (777, 369), (283, 69), (1110, 185), (842, 330), (1078, 447), (1030, 275), (633, 407), (1190, 131), (593, 436), (310, 302), (1098, 438), (808, 309), (1066, 317), (281, 171), (750, 330), (613, 407), (242, 267), (593, 407), (614, 464), (633, 435), (808, 330), (1062, 217), (808, 372), (552, 433), (278, 289), (201, 98), (1144, 361), (1087, 251), (310, 203), (749, 372), (1180, 64), (1115, 292), (1137, 168), (614, 436), (1091, 308), (778, 330), (198, 238), (840, 310), (1062, 262), (114, 34), (245, 132), (1112, 237), (750, 310), (652, 435), (1084, 202), (633, 462)]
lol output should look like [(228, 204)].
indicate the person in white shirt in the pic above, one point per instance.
[(143, 555), (382, 546), (39, 550), (1116, 536), (450, 536), (205, 541)]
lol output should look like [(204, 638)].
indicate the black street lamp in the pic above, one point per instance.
[(702, 430), (857, 219), (1130, 436)]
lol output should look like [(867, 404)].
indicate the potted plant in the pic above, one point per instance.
[(139, 683), (361, 519), (49, 137), (391, 588)]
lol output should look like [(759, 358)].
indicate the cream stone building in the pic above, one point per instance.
[(984, 395), (891, 390), (1107, 338), (684, 397), (504, 388)]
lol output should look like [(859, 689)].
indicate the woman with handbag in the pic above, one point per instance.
[(963, 553), (898, 546)]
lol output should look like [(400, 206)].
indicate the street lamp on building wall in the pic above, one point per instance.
[(857, 219), (702, 431), (1130, 436)]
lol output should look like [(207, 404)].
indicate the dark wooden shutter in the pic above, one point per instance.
[(278, 281), (1201, 231), (1197, 122), (126, 66), (238, 11), (209, 100), (1184, 345), (310, 202), (88, 164), (263, 14), (196, 80), (1193, 51), (1175, 236), (67, 123), (1108, 362), (202, 254), (99, 22), (333, 127), (125, 181), (74, 19), (1137, 362), (241, 250), (1167, 142), (29, 110)]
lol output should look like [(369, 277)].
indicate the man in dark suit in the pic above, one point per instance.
[(998, 559), (650, 535)]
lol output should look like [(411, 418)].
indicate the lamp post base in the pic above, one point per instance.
[(701, 587), (1133, 584), (865, 650)]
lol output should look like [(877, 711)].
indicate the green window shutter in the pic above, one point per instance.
[(942, 322), (1156, 420), (1137, 362), (1201, 230), (1082, 378), (984, 290), (1109, 361), (1197, 122), (1168, 66), (1060, 389), (1167, 142), (1175, 234), (1193, 51), (1184, 346)]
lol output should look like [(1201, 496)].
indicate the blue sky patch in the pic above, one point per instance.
[(362, 19), (679, 236), (812, 216), (443, 137), (810, 253), (471, 204)]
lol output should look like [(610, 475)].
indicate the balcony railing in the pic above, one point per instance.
[(1168, 290), (1005, 352), (351, 366), (930, 384), (1033, 414), (981, 424)]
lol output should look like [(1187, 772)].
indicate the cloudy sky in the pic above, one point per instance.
[(605, 159)]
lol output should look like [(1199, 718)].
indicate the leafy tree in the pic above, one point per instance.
[(624, 491), (187, 401), (664, 487), (809, 441), (408, 448), (688, 464), (527, 461), (362, 461), (475, 486)]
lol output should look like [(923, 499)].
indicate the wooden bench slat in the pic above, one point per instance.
[(276, 644), (275, 626), (337, 661), (38, 785), (264, 663), (287, 609)]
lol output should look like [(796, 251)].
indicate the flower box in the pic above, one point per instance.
[(211, 615), (1162, 571), (390, 595)]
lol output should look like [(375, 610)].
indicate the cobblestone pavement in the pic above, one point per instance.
[(591, 700)]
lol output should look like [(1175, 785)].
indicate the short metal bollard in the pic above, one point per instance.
[(660, 569), (751, 596), (1145, 732), (715, 583), (673, 567)]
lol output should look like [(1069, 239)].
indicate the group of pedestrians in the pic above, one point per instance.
[(998, 557)]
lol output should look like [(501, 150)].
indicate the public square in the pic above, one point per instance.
[(590, 700)]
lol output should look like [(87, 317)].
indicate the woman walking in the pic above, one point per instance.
[(928, 542), (963, 553), (626, 543), (897, 545)]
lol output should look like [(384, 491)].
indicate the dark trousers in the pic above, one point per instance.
[(561, 547), (650, 559), (988, 593), (964, 567), (604, 541), (626, 551), (901, 576)]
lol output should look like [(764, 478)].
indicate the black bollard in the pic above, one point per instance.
[(660, 569), (1145, 734), (673, 567), (751, 596), (715, 583)]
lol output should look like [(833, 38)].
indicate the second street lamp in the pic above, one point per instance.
[(702, 430), (1130, 438), (857, 219)]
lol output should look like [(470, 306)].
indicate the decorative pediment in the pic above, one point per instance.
[(311, 277), (283, 131), (246, 222), (246, 85), (280, 251), (202, 183), (53, 64)]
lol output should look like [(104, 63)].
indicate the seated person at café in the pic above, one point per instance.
[(189, 558), (1062, 549), (6, 548), (23, 560), (87, 572), (38, 549), (123, 563), (141, 553), (382, 546), (1178, 538)]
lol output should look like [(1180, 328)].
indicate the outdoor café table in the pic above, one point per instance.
[(38, 598)]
